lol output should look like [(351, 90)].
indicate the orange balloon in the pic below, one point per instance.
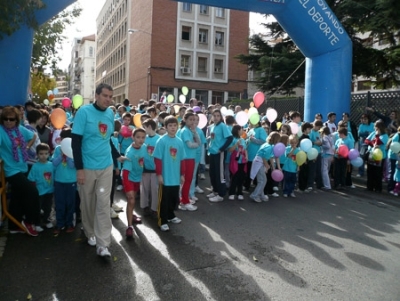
[(244, 135), (136, 120), (58, 118), (51, 97)]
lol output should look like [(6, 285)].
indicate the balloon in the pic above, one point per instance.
[(196, 109), (77, 101), (271, 115), (185, 90), (244, 135), (258, 100), (294, 127), (395, 147), (229, 113), (182, 98), (51, 96), (301, 157), (66, 102), (251, 104), (170, 98), (49, 93), (58, 118), (252, 111), (278, 125), (176, 108), (55, 91), (202, 121), (353, 154), (305, 145), (254, 119), (66, 147), (223, 111), (126, 131), (312, 153), (279, 149), (136, 120), (46, 102), (343, 151), (377, 154), (242, 118), (357, 162), (277, 175)]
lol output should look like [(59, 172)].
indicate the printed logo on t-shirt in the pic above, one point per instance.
[(212, 136), (17, 141), (150, 150), (64, 160), (141, 162), (173, 151), (103, 129), (47, 176)]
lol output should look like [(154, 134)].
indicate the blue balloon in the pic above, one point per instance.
[(357, 162)]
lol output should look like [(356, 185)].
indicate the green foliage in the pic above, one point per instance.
[(378, 19), (14, 13), (40, 84)]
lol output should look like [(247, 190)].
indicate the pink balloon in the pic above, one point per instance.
[(277, 175), (202, 121), (258, 99), (66, 102), (294, 127), (279, 149), (343, 151), (271, 115), (125, 131)]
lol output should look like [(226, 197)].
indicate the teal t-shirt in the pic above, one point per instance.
[(43, 175), (151, 144), (348, 141), (171, 152), (63, 172), (384, 138), (218, 135), (203, 140), (135, 162), (364, 130), (186, 135), (12, 167), (125, 142), (266, 151), (115, 142), (315, 136), (252, 148), (290, 163), (96, 128), (391, 154)]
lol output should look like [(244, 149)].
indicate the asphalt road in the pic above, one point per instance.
[(320, 246)]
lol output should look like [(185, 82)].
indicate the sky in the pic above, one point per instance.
[(85, 25)]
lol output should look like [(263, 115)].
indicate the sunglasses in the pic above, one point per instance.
[(10, 119)]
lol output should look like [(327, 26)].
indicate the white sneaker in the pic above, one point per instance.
[(92, 241), (164, 228), (103, 252), (275, 188), (285, 195), (232, 197), (117, 208), (216, 199), (188, 207), (175, 220), (352, 186), (391, 192), (211, 195), (119, 187), (198, 190), (309, 189), (49, 225), (39, 229), (395, 194), (191, 201), (292, 195), (113, 214), (207, 166), (240, 197), (194, 198), (275, 195), (255, 199), (202, 176)]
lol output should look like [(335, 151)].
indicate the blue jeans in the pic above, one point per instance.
[(258, 192), (290, 182), (64, 196)]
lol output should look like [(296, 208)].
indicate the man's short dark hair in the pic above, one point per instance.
[(305, 126), (102, 86), (150, 122), (42, 147), (33, 115), (126, 102), (170, 119), (330, 114), (30, 104)]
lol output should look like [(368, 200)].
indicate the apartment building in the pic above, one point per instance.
[(146, 47)]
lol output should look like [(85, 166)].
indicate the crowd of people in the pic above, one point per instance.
[(158, 153)]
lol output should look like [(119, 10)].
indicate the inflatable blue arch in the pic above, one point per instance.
[(16, 52), (321, 38)]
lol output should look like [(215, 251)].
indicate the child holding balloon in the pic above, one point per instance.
[(326, 157), (392, 156), (342, 147), (396, 177), (290, 167)]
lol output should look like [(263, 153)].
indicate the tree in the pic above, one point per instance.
[(17, 12), (378, 19), (40, 84)]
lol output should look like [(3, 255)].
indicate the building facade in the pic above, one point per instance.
[(146, 47)]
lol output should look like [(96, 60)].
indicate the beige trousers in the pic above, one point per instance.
[(95, 205), (149, 191)]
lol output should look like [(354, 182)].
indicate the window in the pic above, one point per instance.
[(204, 9), (187, 7), (202, 64), (186, 33), (220, 12), (219, 38), (203, 36), (90, 51), (185, 61), (218, 66)]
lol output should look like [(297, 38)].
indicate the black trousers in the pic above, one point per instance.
[(374, 177), (168, 199), (237, 181)]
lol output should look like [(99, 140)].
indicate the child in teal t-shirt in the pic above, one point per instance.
[(290, 167), (237, 163), (42, 174)]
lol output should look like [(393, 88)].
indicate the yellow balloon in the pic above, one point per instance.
[(251, 104), (136, 120), (170, 98), (301, 158), (278, 125), (377, 154)]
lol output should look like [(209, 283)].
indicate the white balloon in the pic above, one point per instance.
[(223, 111), (202, 121), (182, 98), (272, 114), (66, 147), (229, 113), (242, 118), (305, 145), (312, 154), (252, 111)]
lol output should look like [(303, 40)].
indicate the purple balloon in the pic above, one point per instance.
[(277, 175), (196, 109), (353, 154), (279, 149)]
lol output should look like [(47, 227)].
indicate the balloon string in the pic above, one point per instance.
[(288, 78)]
